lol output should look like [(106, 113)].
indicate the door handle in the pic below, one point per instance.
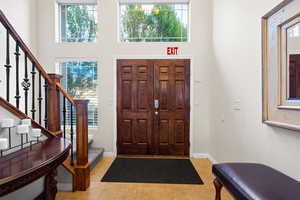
[(156, 103)]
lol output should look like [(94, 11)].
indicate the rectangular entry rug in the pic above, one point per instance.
[(148, 170)]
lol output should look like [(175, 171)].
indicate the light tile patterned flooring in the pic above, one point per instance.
[(140, 191)]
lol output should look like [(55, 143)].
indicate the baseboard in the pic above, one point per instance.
[(65, 187), (214, 161), (193, 155), (109, 154), (204, 155)]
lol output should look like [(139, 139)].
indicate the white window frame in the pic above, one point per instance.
[(120, 2), (154, 1), (81, 59), (58, 33)]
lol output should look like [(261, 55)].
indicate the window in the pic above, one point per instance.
[(164, 22), (80, 81), (78, 22)]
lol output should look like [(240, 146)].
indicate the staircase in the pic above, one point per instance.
[(65, 177), (31, 93)]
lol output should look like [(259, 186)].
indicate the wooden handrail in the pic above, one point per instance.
[(23, 46), (65, 93), (81, 170), (52, 114), (30, 55)]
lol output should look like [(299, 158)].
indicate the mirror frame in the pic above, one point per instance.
[(284, 101), (277, 110)]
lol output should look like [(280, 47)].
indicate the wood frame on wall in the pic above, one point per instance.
[(115, 58), (274, 112)]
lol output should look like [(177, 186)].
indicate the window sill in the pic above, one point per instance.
[(75, 43), (283, 125), (153, 43), (93, 127), (289, 107)]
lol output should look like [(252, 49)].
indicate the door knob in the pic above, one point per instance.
[(156, 113)]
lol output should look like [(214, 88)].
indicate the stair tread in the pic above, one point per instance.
[(96, 149), (65, 177), (95, 155), (90, 142)]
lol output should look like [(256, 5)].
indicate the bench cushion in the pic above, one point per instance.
[(256, 181)]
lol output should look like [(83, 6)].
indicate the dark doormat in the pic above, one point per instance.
[(146, 170)]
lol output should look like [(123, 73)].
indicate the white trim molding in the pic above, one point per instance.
[(109, 154), (76, 1), (154, 1), (192, 155), (192, 102), (283, 125), (204, 155)]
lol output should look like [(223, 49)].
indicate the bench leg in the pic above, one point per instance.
[(218, 187)]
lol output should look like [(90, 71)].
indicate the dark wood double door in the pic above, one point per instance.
[(153, 107)]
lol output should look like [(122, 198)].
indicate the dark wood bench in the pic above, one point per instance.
[(247, 181)]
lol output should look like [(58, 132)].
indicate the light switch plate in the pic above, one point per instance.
[(237, 105)]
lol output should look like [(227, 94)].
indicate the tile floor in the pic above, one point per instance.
[(140, 191)]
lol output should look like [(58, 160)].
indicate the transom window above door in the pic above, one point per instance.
[(154, 22), (77, 22)]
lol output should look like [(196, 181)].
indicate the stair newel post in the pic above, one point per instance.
[(53, 113), (82, 166)]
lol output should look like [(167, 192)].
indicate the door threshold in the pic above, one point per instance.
[(153, 156)]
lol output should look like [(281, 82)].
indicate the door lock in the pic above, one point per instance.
[(156, 104)]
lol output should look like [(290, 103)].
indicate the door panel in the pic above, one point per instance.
[(172, 122), (143, 129), (135, 94)]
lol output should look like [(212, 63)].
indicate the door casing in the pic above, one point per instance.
[(113, 101)]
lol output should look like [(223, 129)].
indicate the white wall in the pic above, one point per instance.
[(240, 135), (107, 49), (22, 15)]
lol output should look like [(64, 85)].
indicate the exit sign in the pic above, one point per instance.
[(171, 51)]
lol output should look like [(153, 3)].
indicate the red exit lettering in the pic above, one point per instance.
[(172, 51)]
